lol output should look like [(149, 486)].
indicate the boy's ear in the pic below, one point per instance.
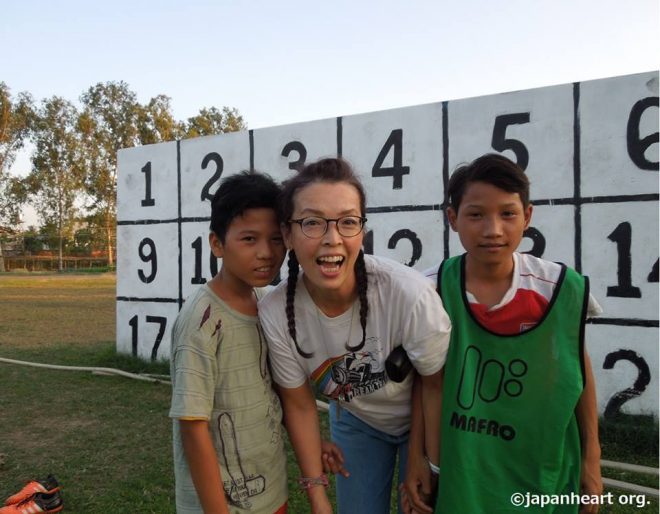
[(451, 216), (216, 245), (528, 215)]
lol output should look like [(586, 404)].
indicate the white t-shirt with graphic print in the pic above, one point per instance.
[(404, 309)]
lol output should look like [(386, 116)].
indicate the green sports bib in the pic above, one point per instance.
[(508, 408)]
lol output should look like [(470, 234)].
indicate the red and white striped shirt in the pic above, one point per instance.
[(525, 302)]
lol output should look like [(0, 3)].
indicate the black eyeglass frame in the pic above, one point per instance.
[(299, 221)]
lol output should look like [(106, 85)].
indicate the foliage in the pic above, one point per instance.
[(108, 122), (214, 121), (156, 123), (56, 178), (110, 118), (16, 117), (15, 121), (33, 241), (13, 195)]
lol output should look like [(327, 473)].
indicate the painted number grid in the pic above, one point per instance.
[(590, 150)]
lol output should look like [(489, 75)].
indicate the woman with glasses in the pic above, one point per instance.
[(333, 324)]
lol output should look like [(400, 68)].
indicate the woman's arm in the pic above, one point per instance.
[(203, 464), (302, 423)]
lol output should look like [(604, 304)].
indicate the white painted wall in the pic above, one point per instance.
[(585, 149)]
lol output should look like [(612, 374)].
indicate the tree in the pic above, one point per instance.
[(57, 178), (16, 117), (13, 195), (156, 122), (109, 122), (214, 121)]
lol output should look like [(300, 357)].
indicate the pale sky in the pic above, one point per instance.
[(281, 62)]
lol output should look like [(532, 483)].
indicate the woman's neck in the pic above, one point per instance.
[(332, 302)]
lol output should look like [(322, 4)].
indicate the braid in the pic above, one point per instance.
[(361, 282), (291, 281)]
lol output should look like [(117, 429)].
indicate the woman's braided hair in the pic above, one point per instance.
[(331, 170)]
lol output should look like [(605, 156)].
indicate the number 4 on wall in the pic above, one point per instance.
[(397, 170)]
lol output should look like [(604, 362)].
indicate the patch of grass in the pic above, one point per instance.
[(631, 439), (632, 477), (108, 439), (43, 310), (95, 269)]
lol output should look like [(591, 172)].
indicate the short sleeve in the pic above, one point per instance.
[(427, 332), (286, 369), (593, 309), (194, 365)]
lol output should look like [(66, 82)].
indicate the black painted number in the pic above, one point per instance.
[(148, 201), (397, 170), (500, 141), (217, 160), (538, 240), (638, 145), (643, 379), (368, 243), (299, 148), (198, 278), (404, 233), (150, 258), (622, 236), (162, 324), (653, 276)]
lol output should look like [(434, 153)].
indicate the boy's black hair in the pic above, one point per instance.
[(490, 168), (238, 193)]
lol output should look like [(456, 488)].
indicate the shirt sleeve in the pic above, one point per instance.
[(427, 331), (194, 365), (593, 309), (286, 369)]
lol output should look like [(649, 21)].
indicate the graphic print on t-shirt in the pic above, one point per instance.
[(486, 382), (349, 375), (239, 486)]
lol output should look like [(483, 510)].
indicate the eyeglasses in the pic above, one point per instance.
[(315, 227)]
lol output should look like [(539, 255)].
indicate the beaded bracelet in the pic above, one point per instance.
[(307, 483), (434, 469)]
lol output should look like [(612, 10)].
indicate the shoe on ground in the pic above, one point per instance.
[(46, 503), (48, 485)]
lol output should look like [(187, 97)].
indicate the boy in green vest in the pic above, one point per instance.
[(519, 429)]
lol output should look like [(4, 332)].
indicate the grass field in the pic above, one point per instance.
[(107, 439)]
